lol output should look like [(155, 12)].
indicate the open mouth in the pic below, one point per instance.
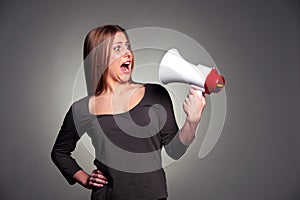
[(125, 66)]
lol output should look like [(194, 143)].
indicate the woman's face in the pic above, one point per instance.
[(121, 58)]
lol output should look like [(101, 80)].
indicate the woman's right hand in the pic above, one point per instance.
[(97, 179)]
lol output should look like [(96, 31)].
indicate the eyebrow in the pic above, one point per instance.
[(120, 42)]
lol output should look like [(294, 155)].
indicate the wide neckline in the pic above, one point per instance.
[(122, 113)]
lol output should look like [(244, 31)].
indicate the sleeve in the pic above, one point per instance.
[(169, 131), (63, 147)]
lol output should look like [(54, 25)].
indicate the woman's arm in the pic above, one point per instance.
[(177, 141), (63, 147), (193, 107), (61, 152)]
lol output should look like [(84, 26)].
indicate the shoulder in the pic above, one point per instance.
[(80, 107), (157, 92), (81, 102), (81, 116), (156, 88)]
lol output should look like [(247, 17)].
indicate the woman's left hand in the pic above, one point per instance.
[(193, 106)]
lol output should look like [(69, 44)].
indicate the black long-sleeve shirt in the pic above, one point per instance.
[(127, 145)]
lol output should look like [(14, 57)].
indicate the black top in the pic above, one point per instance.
[(127, 145)]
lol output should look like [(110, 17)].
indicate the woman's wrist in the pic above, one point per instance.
[(187, 132), (82, 178), (192, 123)]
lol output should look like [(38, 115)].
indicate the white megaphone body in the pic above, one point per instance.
[(173, 68)]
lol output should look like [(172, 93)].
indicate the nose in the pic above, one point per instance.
[(127, 53)]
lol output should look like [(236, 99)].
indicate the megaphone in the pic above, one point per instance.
[(174, 68)]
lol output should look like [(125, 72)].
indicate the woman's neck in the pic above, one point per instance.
[(117, 87)]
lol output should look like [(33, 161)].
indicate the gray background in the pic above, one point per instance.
[(256, 43)]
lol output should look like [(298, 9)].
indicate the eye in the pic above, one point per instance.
[(117, 48), (128, 46)]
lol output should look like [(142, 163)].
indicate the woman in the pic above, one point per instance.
[(128, 123)]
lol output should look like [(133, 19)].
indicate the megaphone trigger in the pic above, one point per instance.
[(199, 91)]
